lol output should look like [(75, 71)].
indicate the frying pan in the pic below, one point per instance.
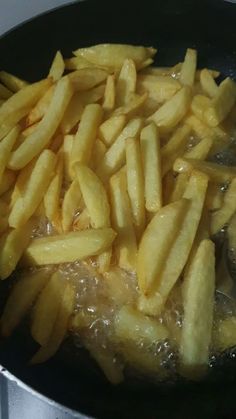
[(71, 378)]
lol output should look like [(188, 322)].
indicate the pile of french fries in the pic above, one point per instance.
[(115, 158)]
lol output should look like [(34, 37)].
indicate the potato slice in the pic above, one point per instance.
[(46, 309), (125, 244), (111, 128), (41, 106), (70, 205), (57, 68), (109, 94), (208, 83), (199, 286), (175, 147), (172, 111), (151, 158), (52, 196), (5, 93), (60, 327), (21, 298), (188, 69), (70, 247), (47, 127), (222, 216), (201, 150), (156, 243), (222, 103), (115, 155), (159, 88), (37, 185), (86, 78), (6, 146), (126, 83), (12, 82)]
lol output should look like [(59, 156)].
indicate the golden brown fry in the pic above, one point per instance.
[(222, 216)]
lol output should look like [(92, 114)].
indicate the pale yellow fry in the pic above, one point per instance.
[(12, 82), (21, 298), (151, 158), (222, 103), (41, 107), (12, 246), (60, 327), (179, 187), (67, 147), (231, 231), (82, 221), (163, 71), (126, 82), (86, 135), (104, 261), (113, 55), (199, 105), (208, 83), (133, 106), (27, 131), (86, 78), (168, 184), (214, 197), (52, 196), (70, 205), (37, 185), (46, 309), (172, 111), (125, 244), (8, 178), (175, 147), (135, 184), (159, 88), (77, 63), (222, 216), (70, 247), (111, 128), (47, 127), (157, 241), (98, 153), (6, 146), (199, 286), (5, 93), (225, 335), (12, 119), (109, 94), (57, 68), (188, 69), (201, 150), (216, 172), (115, 155), (22, 181)]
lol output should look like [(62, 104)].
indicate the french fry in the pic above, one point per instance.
[(86, 135), (168, 184), (157, 241), (5, 93), (199, 295), (208, 83), (21, 298), (163, 71), (70, 247), (22, 182), (222, 103), (179, 187), (201, 150), (225, 335), (214, 197), (12, 82), (8, 179), (86, 78), (70, 205), (113, 55), (27, 131), (46, 309), (47, 127), (98, 153), (135, 184), (104, 261), (200, 104), (126, 83), (231, 233), (159, 88), (175, 147), (188, 69), (60, 327), (72, 114), (109, 94), (222, 216), (172, 111), (111, 128), (52, 196), (41, 107), (82, 220), (36, 187), (67, 147), (133, 106), (6, 146), (57, 68), (151, 158), (115, 155), (77, 63), (12, 246), (125, 244), (12, 120)]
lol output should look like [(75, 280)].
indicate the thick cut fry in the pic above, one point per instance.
[(135, 184), (126, 83), (111, 128), (8, 179), (22, 182), (70, 247), (171, 113), (6, 146), (70, 205), (222, 103), (159, 88), (57, 68), (151, 158), (86, 135), (86, 78), (109, 94), (125, 244), (67, 147), (41, 106), (222, 216), (208, 83), (217, 172), (12, 82), (231, 231), (27, 131), (133, 106), (5, 93), (36, 187), (115, 156), (156, 242), (188, 69), (94, 196), (52, 196), (21, 298), (114, 55), (46, 309), (199, 105), (201, 150), (179, 187), (12, 246), (60, 327), (199, 286), (174, 148), (98, 153)]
